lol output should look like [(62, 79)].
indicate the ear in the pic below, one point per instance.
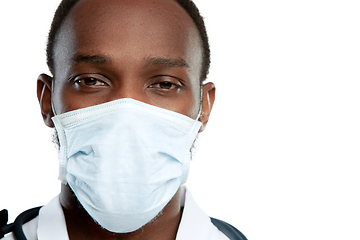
[(207, 103), (44, 83)]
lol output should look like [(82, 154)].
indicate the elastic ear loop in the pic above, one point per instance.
[(52, 94), (186, 175), (201, 100), (62, 140)]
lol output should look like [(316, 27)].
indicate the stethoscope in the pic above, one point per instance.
[(16, 227)]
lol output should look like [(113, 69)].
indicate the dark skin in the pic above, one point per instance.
[(111, 49)]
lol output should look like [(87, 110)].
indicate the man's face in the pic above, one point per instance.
[(110, 49)]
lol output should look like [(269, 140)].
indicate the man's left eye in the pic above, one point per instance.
[(165, 85)]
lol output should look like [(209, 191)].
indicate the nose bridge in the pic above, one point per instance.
[(129, 87), (129, 78)]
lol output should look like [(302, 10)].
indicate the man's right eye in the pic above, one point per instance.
[(90, 82)]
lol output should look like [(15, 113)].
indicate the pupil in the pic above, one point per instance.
[(90, 81), (166, 85)]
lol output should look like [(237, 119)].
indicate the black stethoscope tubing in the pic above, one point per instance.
[(21, 220)]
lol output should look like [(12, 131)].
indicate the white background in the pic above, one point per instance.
[(280, 156)]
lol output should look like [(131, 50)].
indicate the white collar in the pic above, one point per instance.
[(52, 223), (194, 225)]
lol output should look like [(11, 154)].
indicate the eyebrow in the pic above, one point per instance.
[(166, 62), (96, 59), (153, 61)]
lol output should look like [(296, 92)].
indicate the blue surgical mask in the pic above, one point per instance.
[(124, 159)]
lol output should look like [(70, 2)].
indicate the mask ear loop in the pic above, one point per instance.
[(52, 94), (201, 100), (196, 126), (61, 136)]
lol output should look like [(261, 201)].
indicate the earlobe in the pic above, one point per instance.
[(207, 103), (44, 83)]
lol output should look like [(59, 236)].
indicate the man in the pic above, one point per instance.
[(127, 100)]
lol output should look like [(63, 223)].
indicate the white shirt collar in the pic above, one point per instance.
[(194, 225), (52, 223)]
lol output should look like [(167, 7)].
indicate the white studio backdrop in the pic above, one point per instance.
[(280, 156)]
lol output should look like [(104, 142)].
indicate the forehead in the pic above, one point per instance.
[(130, 29)]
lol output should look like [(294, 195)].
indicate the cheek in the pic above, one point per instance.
[(64, 100), (191, 105), (186, 103), (58, 99)]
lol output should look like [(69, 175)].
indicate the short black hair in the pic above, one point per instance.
[(66, 5)]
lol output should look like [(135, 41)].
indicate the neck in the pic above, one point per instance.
[(81, 226)]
